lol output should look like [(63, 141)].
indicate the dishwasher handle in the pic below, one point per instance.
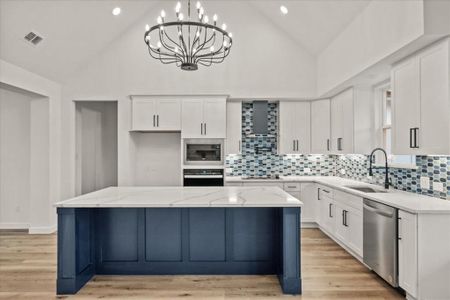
[(378, 211)]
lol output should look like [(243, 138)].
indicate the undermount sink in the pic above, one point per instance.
[(366, 189)]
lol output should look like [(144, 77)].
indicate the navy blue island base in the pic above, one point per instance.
[(174, 241)]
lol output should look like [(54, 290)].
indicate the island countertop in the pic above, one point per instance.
[(184, 197)]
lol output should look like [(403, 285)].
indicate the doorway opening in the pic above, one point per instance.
[(96, 145)]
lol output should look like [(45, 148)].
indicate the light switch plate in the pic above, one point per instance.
[(438, 186), (307, 170), (424, 183)]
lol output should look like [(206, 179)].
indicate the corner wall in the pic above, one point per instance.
[(44, 217)]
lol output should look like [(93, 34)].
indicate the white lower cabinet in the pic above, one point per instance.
[(349, 231), (308, 193), (407, 252)]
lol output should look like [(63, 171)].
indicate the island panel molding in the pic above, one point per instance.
[(203, 240)]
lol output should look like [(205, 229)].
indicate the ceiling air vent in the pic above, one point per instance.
[(33, 38)]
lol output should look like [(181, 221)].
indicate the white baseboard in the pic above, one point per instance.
[(309, 225), (42, 230), (14, 225)]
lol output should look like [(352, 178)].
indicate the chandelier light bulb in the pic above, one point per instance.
[(198, 4), (206, 19), (224, 26), (163, 14), (202, 10), (181, 17), (116, 11), (230, 35), (175, 49), (198, 33), (225, 44), (159, 20), (147, 38), (147, 27), (215, 17), (178, 7), (159, 45), (211, 49)]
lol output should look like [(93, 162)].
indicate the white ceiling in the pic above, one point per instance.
[(75, 31), (312, 23)]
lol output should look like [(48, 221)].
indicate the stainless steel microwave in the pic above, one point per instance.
[(203, 152)]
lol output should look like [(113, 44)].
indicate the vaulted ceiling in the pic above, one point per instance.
[(76, 31)]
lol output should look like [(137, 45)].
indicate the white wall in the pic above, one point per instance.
[(383, 28), (279, 69), (14, 159), (44, 219)]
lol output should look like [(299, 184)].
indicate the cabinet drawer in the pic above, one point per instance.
[(348, 199), (278, 184), (292, 186), (324, 192), (233, 183)]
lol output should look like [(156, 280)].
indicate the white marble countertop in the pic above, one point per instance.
[(411, 202), (184, 197)]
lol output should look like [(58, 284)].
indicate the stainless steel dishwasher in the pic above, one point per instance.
[(380, 240)]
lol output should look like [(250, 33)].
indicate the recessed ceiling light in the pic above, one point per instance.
[(284, 10), (116, 11)]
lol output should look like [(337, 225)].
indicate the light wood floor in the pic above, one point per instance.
[(28, 271)]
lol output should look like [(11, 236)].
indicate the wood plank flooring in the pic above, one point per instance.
[(28, 271)]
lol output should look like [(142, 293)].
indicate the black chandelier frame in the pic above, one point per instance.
[(189, 52)]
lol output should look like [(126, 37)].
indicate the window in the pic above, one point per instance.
[(394, 160)]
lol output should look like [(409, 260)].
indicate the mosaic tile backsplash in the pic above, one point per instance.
[(259, 158)]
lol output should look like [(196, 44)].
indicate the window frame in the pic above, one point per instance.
[(385, 126)]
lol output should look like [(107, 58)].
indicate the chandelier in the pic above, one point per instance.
[(188, 43)]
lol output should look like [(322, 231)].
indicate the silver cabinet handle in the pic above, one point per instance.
[(201, 128), (297, 145), (411, 138), (154, 121), (328, 144), (293, 145), (416, 137), (157, 120), (339, 144), (329, 210), (205, 128)]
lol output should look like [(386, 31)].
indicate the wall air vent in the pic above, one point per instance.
[(33, 38)]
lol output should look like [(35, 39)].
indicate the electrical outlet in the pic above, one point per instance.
[(307, 170), (438, 186), (424, 183)]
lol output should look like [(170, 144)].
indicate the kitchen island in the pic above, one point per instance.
[(179, 230)]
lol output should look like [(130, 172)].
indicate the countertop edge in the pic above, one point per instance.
[(323, 181)]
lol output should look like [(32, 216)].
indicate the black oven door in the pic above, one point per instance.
[(195, 177)]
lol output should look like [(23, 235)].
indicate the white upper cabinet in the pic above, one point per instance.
[(342, 123), (204, 117), (406, 106), (233, 143), (294, 127), (155, 113), (420, 86), (320, 126)]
